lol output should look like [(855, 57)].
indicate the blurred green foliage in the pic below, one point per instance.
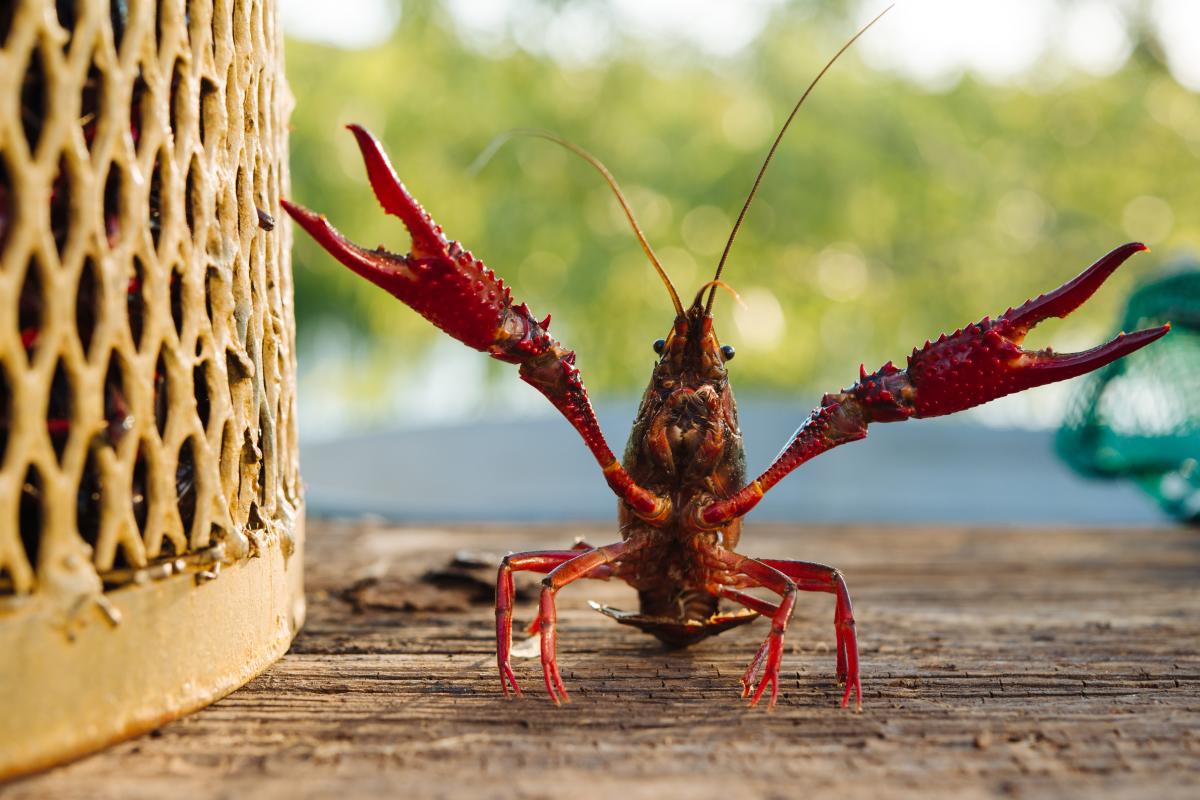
[(889, 215)]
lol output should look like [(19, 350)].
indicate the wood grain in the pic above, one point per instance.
[(996, 663)]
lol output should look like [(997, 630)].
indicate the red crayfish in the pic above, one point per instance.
[(681, 484)]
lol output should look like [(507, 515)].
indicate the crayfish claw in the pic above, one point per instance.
[(1048, 366), (427, 237), (985, 361), (1072, 294), (378, 266), (457, 292)]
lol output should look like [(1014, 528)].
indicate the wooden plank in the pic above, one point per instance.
[(1028, 663)]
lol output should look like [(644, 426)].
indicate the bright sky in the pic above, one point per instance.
[(930, 41)]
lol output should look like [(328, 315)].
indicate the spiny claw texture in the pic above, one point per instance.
[(985, 361)]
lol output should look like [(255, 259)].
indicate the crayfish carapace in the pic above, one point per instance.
[(681, 484)]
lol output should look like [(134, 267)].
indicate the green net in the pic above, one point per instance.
[(1139, 417)]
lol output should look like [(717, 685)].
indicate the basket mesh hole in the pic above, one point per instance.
[(200, 382), (89, 105), (29, 311), (161, 395), (88, 301), (134, 303), (138, 497), (118, 14), (7, 10), (212, 282), (112, 204), (117, 413), (154, 214), (6, 205), (5, 410), (60, 207), (267, 443), (191, 207), (235, 369), (185, 486), (33, 100), (248, 471), (58, 410), (87, 502), (178, 96), (135, 108), (177, 301), (242, 196), (30, 515)]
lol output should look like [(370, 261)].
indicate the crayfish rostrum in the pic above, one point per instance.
[(681, 485)]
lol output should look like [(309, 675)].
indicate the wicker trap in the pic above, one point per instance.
[(150, 503)]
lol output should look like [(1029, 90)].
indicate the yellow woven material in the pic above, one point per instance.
[(147, 396)]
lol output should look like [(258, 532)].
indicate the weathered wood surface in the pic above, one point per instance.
[(1025, 663)]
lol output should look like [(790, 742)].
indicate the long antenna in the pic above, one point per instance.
[(774, 145), (500, 140)]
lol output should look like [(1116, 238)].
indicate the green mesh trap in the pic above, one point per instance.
[(1139, 417)]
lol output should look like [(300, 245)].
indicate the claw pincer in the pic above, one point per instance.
[(438, 279), (985, 361)]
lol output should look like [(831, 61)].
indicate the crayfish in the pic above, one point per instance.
[(681, 485)]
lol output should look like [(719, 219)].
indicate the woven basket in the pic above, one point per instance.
[(151, 515)]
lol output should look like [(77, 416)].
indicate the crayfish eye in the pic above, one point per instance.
[(728, 352), (659, 344)]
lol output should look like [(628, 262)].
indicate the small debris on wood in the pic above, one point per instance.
[(467, 580), (377, 594), (473, 574)]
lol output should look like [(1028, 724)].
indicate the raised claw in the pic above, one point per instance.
[(438, 279), (455, 291), (1072, 294), (985, 361), (427, 236), (978, 363)]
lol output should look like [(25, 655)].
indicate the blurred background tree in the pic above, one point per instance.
[(962, 157)]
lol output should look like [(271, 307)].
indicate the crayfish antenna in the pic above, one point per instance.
[(722, 284), (775, 146)]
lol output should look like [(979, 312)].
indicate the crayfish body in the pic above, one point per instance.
[(681, 486)]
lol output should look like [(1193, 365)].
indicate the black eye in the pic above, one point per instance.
[(659, 345), (728, 352)]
